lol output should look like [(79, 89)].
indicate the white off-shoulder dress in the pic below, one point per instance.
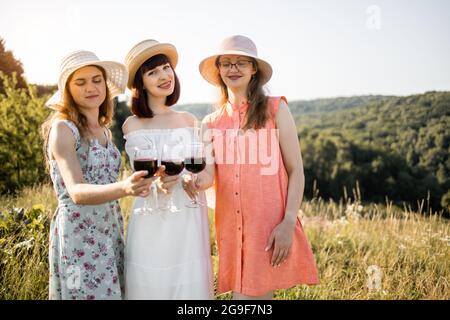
[(167, 255)]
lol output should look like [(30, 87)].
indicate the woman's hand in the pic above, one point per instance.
[(190, 186), (137, 185), (281, 241), (165, 182)]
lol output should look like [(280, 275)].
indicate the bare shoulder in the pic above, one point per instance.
[(283, 104), (283, 109), (61, 136), (130, 124), (60, 129), (284, 118), (189, 118)]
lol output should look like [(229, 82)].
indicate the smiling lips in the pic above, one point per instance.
[(234, 77), (165, 85)]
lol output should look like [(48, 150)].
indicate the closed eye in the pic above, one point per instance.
[(97, 80)]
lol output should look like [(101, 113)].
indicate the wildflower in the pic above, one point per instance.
[(445, 239), (27, 244), (343, 221), (353, 211)]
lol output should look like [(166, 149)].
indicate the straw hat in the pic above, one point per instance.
[(238, 45), (143, 51), (116, 75)]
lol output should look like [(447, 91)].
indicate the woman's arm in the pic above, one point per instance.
[(292, 158), (62, 146), (281, 237)]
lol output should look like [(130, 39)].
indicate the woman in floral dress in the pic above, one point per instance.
[(86, 232)]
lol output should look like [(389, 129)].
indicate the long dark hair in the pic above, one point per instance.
[(139, 102), (257, 114)]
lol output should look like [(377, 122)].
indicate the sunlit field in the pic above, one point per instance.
[(363, 251)]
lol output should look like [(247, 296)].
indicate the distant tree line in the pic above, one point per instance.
[(396, 147)]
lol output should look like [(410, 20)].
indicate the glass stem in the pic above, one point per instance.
[(155, 194), (146, 204), (193, 201)]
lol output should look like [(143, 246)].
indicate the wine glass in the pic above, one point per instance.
[(195, 162), (146, 158), (172, 158)]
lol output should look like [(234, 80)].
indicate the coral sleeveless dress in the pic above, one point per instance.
[(251, 192)]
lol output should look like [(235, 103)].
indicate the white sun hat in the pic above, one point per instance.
[(116, 75)]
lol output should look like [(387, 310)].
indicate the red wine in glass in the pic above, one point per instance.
[(150, 164), (173, 167), (195, 165)]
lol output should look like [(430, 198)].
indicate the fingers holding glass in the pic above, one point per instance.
[(195, 162), (145, 158)]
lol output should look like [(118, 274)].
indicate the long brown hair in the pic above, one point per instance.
[(139, 102), (70, 111), (257, 114)]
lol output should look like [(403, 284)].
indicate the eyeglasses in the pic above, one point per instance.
[(241, 64)]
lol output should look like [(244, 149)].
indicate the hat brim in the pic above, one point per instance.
[(161, 48), (116, 77), (210, 73)]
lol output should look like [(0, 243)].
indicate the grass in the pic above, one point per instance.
[(405, 254)]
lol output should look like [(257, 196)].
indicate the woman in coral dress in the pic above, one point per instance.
[(259, 181)]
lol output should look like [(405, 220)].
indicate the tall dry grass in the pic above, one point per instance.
[(363, 251)]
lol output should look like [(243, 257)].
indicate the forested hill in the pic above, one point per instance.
[(333, 104), (396, 146)]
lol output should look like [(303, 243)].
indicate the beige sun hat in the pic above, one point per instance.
[(238, 45), (116, 74), (143, 51)]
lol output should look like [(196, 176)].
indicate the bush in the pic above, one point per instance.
[(21, 155)]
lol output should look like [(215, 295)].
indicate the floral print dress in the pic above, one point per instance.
[(86, 241)]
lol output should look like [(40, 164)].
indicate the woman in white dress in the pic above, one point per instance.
[(167, 255)]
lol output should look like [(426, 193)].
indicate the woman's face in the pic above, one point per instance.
[(160, 81), (88, 87), (236, 71)]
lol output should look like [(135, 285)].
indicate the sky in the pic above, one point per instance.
[(317, 49)]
